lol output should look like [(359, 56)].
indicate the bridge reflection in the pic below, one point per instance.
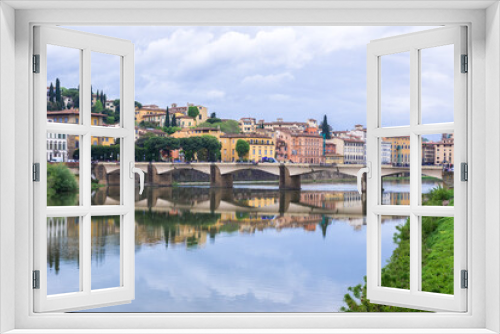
[(261, 201)]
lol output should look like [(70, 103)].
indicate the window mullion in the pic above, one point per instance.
[(414, 170), (85, 165)]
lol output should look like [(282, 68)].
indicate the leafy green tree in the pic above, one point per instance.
[(60, 179), (174, 121), (193, 112), (326, 129), (138, 104), (104, 153), (110, 120), (190, 146), (97, 108), (210, 148), (154, 146), (242, 148), (214, 120), (141, 142), (167, 119), (213, 115), (171, 130)]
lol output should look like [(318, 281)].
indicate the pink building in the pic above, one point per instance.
[(299, 147)]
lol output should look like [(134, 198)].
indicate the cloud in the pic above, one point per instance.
[(267, 80), (266, 72)]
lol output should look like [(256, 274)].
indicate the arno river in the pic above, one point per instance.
[(248, 249)]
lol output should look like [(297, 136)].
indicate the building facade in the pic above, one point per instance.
[(247, 124), (299, 147), (260, 146), (354, 151), (400, 150)]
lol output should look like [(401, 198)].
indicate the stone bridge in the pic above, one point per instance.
[(221, 174)]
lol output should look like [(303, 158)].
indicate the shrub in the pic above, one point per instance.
[(60, 180)]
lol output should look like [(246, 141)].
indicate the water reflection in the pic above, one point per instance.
[(241, 250)]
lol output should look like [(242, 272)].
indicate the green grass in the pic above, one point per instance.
[(229, 126), (437, 260)]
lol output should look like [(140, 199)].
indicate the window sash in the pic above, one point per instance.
[(414, 297), (86, 297)]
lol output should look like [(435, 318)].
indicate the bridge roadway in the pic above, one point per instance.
[(221, 174)]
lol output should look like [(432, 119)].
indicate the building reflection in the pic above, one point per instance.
[(193, 217)]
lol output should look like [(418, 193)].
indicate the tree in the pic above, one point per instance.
[(58, 95), (210, 148), (52, 95), (167, 119), (242, 148), (97, 108), (190, 146), (326, 129), (174, 121), (138, 104), (213, 115), (193, 112)]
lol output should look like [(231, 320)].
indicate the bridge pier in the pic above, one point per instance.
[(163, 180), (287, 181), (100, 174), (217, 180)]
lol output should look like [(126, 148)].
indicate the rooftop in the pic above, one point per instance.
[(245, 135), (71, 112)]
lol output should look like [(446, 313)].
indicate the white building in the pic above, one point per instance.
[(109, 104), (57, 146), (385, 156)]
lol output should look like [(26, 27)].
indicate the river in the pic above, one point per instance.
[(249, 249)]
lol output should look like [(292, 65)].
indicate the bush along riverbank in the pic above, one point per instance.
[(437, 260)]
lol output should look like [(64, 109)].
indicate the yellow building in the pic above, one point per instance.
[(400, 150), (332, 158), (260, 146), (197, 132), (149, 110)]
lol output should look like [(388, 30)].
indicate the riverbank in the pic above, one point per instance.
[(437, 261)]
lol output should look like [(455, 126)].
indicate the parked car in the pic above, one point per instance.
[(270, 160)]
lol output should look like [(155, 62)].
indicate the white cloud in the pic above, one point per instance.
[(267, 80)]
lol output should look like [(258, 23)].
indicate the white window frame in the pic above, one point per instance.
[(87, 45), (413, 44), (483, 100)]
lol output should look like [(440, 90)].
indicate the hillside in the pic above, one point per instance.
[(437, 260), (226, 126)]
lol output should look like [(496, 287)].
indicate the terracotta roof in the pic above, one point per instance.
[(311, 135), (245, 135), (70, 112)]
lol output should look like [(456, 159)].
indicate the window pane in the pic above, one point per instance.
[(395, 170), (105, 252), (63, 255), (105, 89), (63, 84), (437, 83), (395, 252), (63, 169), (437, 254), (106, 170), (438, 169), (395, 89)]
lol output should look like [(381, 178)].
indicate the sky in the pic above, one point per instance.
[(294, 73)]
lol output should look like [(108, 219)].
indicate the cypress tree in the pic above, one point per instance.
[(174, 121), (52, 95), (167, 118), (58, 94), (325, 129)]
